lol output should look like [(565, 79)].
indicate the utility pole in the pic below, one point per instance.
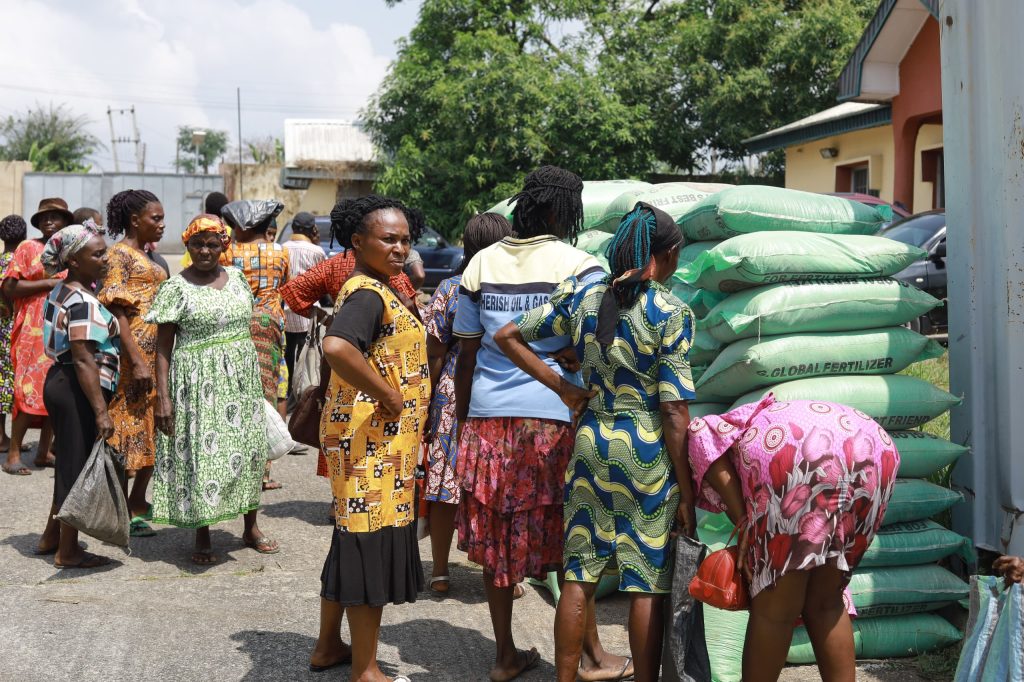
[(113, 140), (134, 139), (238, 99)]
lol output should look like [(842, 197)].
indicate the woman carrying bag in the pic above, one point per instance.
[(82, 338)]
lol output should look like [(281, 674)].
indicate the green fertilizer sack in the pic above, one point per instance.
[(914, 500), (700, 301), (674, 198), (753, 260), (914, 542), (595, 243), (597, 195), (894, 401), (748, 364), (816, 307), (704, 348), (755, 208), (904, 589), (893, 637), (922, 454), (702, 409)]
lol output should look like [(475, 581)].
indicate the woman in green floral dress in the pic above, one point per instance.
[(212, 446)]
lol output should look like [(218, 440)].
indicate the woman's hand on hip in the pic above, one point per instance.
[(567, 359), (574, 397), (104, 425), (392, 405)]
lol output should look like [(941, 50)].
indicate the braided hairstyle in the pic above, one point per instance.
[(549, 191), (481, 231), (348, 217), (123, 205), (642, 233), (12, 230)]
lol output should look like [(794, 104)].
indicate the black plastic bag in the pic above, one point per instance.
[(684, 656), (251, 213), (95, 504)]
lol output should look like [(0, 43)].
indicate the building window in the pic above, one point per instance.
[(859, 180), (853, 178)]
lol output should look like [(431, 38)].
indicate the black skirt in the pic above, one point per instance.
[(74, 426), (373, 569)]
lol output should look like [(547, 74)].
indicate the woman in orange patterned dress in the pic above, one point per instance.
[(128, 291), (27, 284), (265, 265)]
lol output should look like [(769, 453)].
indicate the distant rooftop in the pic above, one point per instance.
[(842, 118), (311, 142)]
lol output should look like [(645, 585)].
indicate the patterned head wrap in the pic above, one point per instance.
[(206, 222), (66, 243), (12, 228)]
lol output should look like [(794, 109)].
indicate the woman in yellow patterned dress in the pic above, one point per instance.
[(128, 292), (370, 431)]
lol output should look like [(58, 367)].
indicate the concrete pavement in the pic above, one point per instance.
[(153, 615)]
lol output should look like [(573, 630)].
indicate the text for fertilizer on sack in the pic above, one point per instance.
[(819, 368)]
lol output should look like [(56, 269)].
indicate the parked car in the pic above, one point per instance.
[(928, 231), (898, 213), (441, 260)]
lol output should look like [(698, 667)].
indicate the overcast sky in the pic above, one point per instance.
[(179, 61)]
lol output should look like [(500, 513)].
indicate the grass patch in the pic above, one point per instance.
[(934, 372)]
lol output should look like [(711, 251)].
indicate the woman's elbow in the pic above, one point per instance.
[(505, 336)]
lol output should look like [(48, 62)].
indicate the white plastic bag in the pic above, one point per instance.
[(994, 643), (307, 364), (279, 440)]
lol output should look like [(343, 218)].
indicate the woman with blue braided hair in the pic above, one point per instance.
[(628, 482)]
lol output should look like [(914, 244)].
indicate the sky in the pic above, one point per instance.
[(178, 62)]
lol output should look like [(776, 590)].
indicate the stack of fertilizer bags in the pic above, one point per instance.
[(793, 296)]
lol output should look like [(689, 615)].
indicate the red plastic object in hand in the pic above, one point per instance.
[(719, 583)]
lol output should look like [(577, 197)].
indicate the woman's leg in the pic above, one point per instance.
[(646, 627), (253, 537), (18, 429), (5, 442), (828, 624), (203, 552), (773, 613), (596, 663), (329, 649), (442, 528), (44, 456), (509, 662), (570, 626), (364, 624), (137, 505)]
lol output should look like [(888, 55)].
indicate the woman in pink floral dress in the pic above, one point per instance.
[(809, 483)]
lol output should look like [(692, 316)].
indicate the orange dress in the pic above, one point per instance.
[(265, 266), (27, 352), (132, 282)]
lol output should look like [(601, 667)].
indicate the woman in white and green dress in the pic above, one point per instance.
[(212, 446)]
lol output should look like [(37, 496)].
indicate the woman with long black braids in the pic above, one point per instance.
[(516, 438), (373, 416), (128, 290), (632, 336)]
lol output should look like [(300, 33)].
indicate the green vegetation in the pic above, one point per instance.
[(52, 139), (214, 144), (936, 372), (482, 92)]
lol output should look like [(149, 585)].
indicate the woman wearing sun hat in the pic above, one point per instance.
[(27, 284)]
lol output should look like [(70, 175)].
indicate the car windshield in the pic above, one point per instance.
[(916, 230)]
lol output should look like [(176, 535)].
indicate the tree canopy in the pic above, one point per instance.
[(484, 91), (51, 138), (213, 146)]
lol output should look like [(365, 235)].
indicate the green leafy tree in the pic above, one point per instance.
[(482, 91), (51, 138), (213, 146)]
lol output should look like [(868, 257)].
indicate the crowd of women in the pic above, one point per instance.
[(549, 398)]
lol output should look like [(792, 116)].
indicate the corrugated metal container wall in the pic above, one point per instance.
[(181, 195), (983, 115)]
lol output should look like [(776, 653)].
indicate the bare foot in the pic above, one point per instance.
[(204, 557), (524, 660), (329, 655), (609, 667), (48, 461)]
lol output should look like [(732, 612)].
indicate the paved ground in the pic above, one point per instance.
[(153, 615)]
